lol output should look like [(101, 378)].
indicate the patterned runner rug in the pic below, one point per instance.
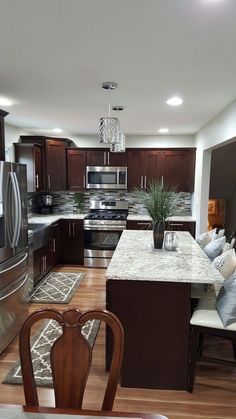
[(56, 288), (40, 347)]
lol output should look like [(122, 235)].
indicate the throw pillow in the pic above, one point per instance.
[(226, 301), (229, 246), (203, 239), (225, 263), (215, 235), (212, 233), (214, 248)]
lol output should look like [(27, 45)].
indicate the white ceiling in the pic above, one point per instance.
[(54, 55)]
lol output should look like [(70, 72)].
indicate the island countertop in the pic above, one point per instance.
[(136, 259)]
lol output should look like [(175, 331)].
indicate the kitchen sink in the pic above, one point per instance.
[(39, 234)]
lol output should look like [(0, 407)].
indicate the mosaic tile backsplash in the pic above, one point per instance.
[(63, 202)]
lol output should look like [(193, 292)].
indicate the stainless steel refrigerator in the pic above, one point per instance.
[(14, 283)]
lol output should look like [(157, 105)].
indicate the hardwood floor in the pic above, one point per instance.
[(215, 388)]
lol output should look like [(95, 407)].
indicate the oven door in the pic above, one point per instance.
[(99, 246)]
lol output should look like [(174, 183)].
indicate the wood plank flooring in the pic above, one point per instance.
[(215, 388)]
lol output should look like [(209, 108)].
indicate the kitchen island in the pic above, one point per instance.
[(150, 291)]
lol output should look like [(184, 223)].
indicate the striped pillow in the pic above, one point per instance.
[(225, 263)]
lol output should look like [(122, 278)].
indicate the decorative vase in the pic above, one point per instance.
[(158, 233)]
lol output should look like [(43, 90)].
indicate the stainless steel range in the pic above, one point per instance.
[(103, 227)]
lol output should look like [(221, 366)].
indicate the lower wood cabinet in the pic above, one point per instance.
[(72, 241), (170, 225), (42, 262)]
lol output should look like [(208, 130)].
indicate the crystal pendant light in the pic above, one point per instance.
[(119, 147), (109, 130)]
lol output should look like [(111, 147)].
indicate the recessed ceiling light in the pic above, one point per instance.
[(57, 130), (174, 101), (163, 130), (5, 102)]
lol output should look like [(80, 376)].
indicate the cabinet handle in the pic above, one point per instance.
[(54, 245), (176, 224), (108, 158), (162, 181), (84, 181), (145, 185), (104, 158), (37, 181), (141, 183), (73, 229), (45, 263), (143, 224), (69, 226), (49, 182)]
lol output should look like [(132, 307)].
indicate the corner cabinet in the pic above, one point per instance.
[(172, 166), (76, 169), (32, 156), (72, 241), (54, 160)]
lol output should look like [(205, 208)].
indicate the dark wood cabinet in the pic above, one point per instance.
[(42, 262), (72, 241), (138, 225), (54, 153), (104, 157), (55, 165), (181, 226), (55, 243), (32, 156), (169, 225), (179, 169), (2, 134), (76, 169), (173, 167)]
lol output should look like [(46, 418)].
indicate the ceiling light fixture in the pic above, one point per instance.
[(174, 101), (57, 130), (5, 102), (109, 130), (163, 130)]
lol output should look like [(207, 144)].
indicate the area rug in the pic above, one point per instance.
[(56, 288), (40, 348)]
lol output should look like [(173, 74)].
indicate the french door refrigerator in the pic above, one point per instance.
[(14, 283)]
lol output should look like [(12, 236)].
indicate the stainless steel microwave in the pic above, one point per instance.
[(106, 177)]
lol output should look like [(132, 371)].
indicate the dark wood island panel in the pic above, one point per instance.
[(155, 317)]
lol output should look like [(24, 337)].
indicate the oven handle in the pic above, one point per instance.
[(104, 228)]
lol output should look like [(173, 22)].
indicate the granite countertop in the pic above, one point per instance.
[(136, 259), (51, 218), (142, 217)]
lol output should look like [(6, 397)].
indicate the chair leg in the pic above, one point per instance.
[(193, 357), (200, 344), (234, 347)]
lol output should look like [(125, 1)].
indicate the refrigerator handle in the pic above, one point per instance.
[(15, 289), (13, 242), (19, 209), (16, 264)]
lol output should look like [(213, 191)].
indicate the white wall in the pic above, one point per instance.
[(133, 141), (219, 131), (12, 135)]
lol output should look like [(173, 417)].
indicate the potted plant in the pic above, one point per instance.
[(158, 199), (79, 200)]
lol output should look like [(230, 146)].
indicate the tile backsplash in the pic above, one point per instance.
[(63, 202)]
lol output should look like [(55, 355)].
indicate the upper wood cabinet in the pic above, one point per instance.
[(55, 165), (2, 134), (32, 156), (173, 166), (104, 157), (76, 169), (54, 158)]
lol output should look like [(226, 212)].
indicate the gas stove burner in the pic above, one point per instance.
[(106, 216)]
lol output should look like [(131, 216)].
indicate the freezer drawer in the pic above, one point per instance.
[(13, 309)]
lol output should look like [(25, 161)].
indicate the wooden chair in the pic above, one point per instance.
[(206, 321), (70, 357)]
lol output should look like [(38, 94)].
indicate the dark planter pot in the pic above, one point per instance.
[(158, 234)]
